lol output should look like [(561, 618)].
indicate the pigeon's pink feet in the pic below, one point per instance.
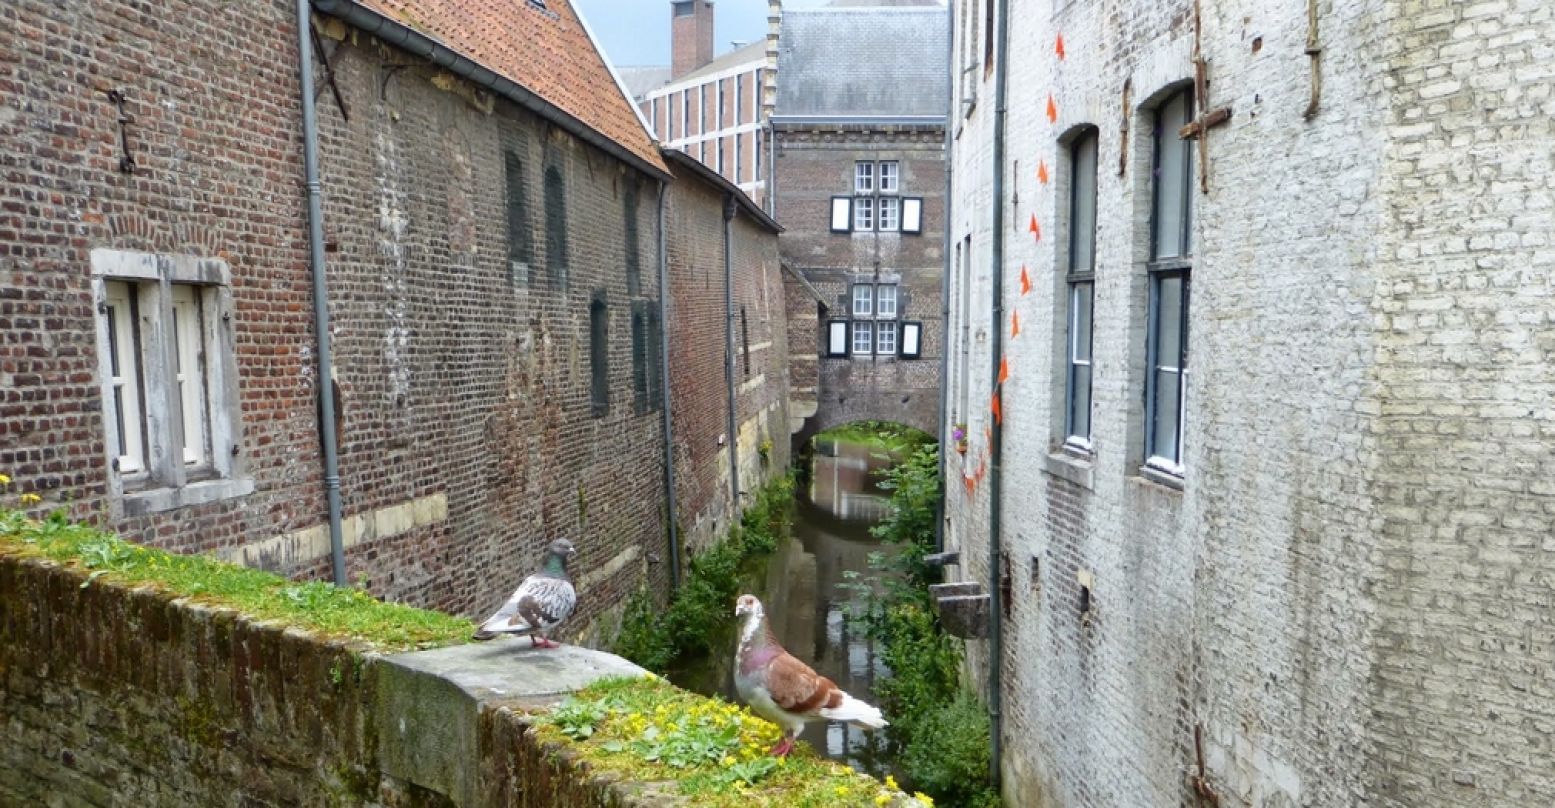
[(784, 747), (542, 642)]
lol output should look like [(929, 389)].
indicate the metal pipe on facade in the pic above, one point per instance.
[(310, 161), (996, 449), (944, 284), (734, 437), (664, 396)]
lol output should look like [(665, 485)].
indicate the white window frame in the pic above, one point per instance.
[(863, 304), (866, 330), (180, 346), (883, 329), (889, 219), (123, 391), (881, 297), (890, 174), (863, 213), (863, 177), (189, 373)]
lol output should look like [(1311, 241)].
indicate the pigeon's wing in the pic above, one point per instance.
[(797, 688), (537, 604)]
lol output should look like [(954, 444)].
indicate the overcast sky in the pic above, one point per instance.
[(637, 32)]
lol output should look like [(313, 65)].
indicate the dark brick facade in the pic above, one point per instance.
[(698, 322), (466, 241), (814, 164)]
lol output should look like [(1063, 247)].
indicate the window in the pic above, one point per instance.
[(885, 300), (684, 8), (837, 338), (599, 355), (885, 338), (641, 372), (987, 36), (123, 388), (737, 164), (555, 228), (864, 213), (721, 155), (863, 300), (739, 96), (1081, 285), (685, 113), (701, 108), (170, 401), (875, 204), (1169, 269), (718, 123), (889, 180), (756, 158), (890, 213), (520, 232), (912, 340), (745, 341), (863, 337)]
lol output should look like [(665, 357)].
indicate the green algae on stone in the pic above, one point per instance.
[(322, 608)]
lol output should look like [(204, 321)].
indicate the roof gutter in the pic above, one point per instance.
[(413, 41), (310, 165)]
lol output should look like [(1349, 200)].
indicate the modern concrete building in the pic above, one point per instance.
[(1256, 364)]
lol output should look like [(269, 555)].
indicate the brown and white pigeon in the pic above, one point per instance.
[(784, 690), (541, 602)]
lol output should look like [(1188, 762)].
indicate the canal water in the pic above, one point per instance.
[(808, 610)]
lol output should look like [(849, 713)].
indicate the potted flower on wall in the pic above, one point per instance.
[(958, 436)]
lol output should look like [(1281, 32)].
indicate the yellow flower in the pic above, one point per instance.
[(31, 499), (727, 761), (5, 479), (890, 782), (842, 791), (882, 798), (924, 798)]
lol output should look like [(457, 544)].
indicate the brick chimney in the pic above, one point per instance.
[(691, 35)]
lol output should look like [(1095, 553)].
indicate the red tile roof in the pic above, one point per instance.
[(545, 50)]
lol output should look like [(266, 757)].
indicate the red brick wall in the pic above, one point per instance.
[(697, 350), (457, 379), (214, 129)]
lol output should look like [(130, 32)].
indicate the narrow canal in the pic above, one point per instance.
[(807, 608)]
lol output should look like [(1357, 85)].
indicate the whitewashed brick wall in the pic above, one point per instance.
[(1352, 591)]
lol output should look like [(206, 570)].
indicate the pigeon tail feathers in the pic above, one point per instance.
[(855, 712)]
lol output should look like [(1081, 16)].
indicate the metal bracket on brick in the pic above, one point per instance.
[(126, 159)]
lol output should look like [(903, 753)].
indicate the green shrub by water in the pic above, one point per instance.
[(942, 730), (693, 623), (885, 436)]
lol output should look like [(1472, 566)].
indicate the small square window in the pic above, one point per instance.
[(863, 337), (863, 300), (885, 300), (890, 210), (863, 178), (890, 177), (864, 213), (885, 338)]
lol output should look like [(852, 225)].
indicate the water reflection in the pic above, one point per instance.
[(809, 611)]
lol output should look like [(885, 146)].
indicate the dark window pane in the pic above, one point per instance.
[(1173, 156), (1080, 328), (1168, 324), (599, 357), (1082, 220)]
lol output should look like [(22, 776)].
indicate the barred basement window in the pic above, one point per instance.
[(170, 396), (1169, 270)]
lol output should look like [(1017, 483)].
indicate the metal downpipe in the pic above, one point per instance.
[(310, 159), (664, 391), (734, 438), (944, 285), (996, 449)]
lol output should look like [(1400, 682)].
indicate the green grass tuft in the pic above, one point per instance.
[(321, 608), (645, 729)]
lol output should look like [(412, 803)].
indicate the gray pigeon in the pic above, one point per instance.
[(541, 602)]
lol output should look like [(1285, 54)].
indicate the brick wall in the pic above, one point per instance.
[(459, 300), (1338, 592), (698, 387), (813, 165)]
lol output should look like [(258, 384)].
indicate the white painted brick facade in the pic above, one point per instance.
[(1352, 591)]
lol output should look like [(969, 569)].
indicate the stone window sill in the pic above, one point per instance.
[(157, 500), (1159, 478), (1065, 464)]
